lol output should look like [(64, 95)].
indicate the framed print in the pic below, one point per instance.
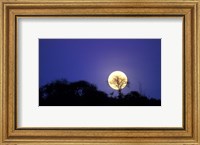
[(99, 72)]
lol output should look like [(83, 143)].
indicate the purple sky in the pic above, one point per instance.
[(93, 60)]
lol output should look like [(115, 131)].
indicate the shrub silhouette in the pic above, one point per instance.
[(82, 93)]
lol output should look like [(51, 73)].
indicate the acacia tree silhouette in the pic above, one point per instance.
[(119, 83)]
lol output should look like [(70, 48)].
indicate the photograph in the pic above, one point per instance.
[(99, 72)]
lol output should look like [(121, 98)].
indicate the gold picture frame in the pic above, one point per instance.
[(13, 9)]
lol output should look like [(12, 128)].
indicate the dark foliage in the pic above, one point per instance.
[(82, 93)]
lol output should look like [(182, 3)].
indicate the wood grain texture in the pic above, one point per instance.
[(12, 9)]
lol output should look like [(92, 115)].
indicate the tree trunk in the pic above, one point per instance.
[(119, 93)]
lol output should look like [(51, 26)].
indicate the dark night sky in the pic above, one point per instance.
[(94, 59)]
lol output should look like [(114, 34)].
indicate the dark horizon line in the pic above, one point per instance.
[(114, 91)]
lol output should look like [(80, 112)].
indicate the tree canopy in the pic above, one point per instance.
[(83, 93)]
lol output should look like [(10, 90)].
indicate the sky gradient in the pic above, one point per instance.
[(93, 60)]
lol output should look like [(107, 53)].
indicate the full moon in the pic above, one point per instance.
[(117, 80)]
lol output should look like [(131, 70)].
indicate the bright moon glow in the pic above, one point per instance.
[(117, 80)]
